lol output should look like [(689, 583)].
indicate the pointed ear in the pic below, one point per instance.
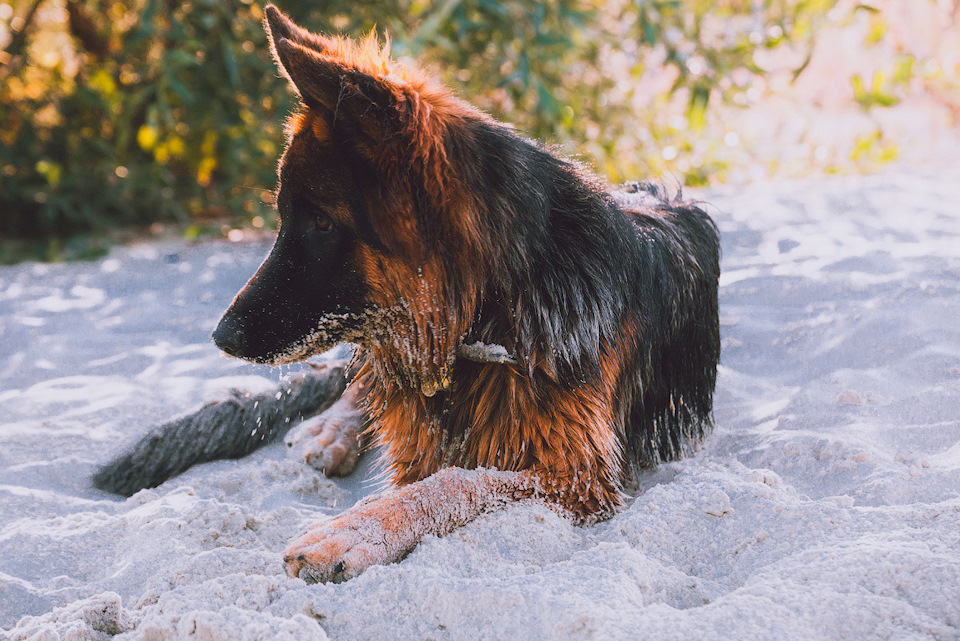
[(278, 25), (336, 88)]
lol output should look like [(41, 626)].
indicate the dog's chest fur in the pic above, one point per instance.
[(490, 416)]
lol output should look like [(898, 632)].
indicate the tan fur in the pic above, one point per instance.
[(493, 421)]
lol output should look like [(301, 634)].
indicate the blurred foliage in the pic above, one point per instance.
[(136, 113), (125, 114), (580, 73)]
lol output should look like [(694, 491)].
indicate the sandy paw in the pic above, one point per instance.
[(329, 442), (334, 551)]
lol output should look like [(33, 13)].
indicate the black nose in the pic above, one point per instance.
[(229, 336)]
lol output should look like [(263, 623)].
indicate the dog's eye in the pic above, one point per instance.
[(322, 223)]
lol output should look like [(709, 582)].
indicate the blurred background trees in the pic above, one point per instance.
[(131, 114)]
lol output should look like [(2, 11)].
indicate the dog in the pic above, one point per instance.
[(524, 331)]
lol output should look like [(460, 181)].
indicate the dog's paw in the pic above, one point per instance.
[(343, 547), (329, 442), (384, 529)]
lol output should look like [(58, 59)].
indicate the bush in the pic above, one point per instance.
[(119, 114), (164, 111)]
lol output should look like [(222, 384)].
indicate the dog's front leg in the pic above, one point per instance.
[(384, 529), (330, 441)]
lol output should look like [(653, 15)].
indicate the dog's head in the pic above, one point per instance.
[(368, 250)]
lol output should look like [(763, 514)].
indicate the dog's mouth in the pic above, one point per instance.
[(332, 330), (271, 345)]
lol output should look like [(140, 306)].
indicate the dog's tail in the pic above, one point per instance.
[(229, 428)]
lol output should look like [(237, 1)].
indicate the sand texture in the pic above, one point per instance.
[(825, 505)]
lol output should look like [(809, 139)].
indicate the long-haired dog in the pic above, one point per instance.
[(525, 332)]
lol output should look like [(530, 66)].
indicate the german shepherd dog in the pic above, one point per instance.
[(525, 332)]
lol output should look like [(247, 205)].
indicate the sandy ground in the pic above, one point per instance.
[(826, 504)]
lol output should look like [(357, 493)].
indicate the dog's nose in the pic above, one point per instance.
[(229, 336)]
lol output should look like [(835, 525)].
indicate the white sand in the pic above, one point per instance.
[(826, 505)]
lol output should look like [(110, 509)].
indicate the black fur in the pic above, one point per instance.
[(576, 263)]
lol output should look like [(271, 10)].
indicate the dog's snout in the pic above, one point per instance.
[(229, 336)]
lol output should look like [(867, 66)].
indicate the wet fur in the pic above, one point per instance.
[(445, 228)]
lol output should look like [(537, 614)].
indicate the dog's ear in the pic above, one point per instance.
[(355, 85), (330, 84), (278, 25)]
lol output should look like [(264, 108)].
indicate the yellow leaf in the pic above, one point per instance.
[(209, 145), (147, 137), (103, 83), (162, 153), (176, 146), (205, 170)]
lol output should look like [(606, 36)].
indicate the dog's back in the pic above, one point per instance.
[(672, 391)]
